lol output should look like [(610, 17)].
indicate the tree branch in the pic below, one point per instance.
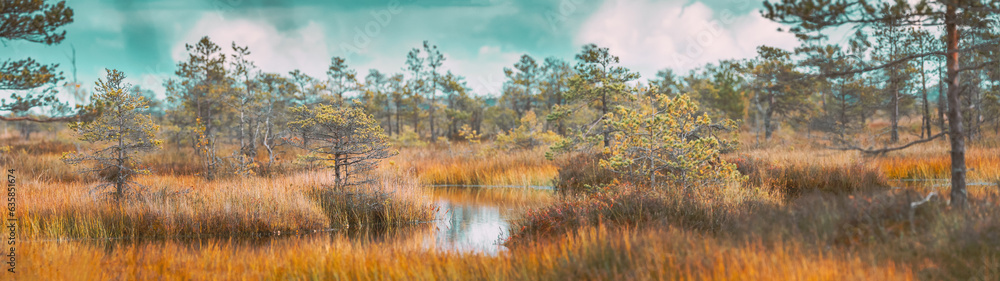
[(884, 150)]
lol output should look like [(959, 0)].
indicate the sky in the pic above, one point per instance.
[(146, 38)]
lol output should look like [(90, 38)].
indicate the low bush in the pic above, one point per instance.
[(582, 172), (353, 208), (707, 210), (793, 180)]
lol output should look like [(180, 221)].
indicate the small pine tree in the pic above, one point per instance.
[(666, 141), (345, 139), (122, 130)]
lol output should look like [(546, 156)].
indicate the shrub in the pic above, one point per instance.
[(582, 172), (665, 141), (627, 205), (795, 179), (372, 204), (526, 136)]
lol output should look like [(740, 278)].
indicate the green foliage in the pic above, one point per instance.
[(470, 135), (666, 141), (342, 79), (463, 108), (528, 135), (500, 118), (37, 22), (719, 90), (600, 83), (123, 129), (200, 97), (521, 85), (344, 139), (409, 138), (778, 88)]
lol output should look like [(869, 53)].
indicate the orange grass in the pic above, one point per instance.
[(499, 196), (933, 162), (859, 230), (590, 254), (476, 165), (191, 206)]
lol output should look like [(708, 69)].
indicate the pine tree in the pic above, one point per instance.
[(810, 17), (599, 82), (779, 88), (36, 22), (524, 83), (200, 97), (342, 79), (666, 141), (344, 139), (122, 130)]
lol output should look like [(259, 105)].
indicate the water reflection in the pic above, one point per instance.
[(468, 227)]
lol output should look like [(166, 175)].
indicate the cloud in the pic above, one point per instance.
[(484, 70), (648, 36), (272, 50), (486, 50)]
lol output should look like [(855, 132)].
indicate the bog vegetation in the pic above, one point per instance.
[(827, 162)]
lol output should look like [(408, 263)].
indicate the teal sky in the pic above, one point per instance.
[(145, 38)]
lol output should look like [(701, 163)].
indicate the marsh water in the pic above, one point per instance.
[(459, 225)]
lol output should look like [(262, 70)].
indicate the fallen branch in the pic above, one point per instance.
[(913, 209), (884, 150)]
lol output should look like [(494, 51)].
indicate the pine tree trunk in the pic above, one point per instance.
[(388, 116), (768, 116), (926, 124), (604, 111), (959, 196), (433, 103), (895, 116)]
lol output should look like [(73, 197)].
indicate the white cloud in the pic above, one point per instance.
[(271, 50), (648, 36), (486, 50), (484, 71)]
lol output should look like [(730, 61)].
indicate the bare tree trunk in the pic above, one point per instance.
[(768, 116), (397, 119), (942, 100), (843, 112), (604, 111), (121, 177), (926, 123), (267, 138), (975, 122), (388, 115), (433, 103), (336, 168), (959, 196), (416, 120), (894, 82), (895, 116)]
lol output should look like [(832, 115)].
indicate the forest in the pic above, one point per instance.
[(875, 156)]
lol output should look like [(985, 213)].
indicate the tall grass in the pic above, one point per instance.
[(191, 206), (468, 164), (934, 240), (793, 179), (933, 162), (521, 197), (593, 253), (802, 214)]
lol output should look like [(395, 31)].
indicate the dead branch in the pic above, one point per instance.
[(884, 150)]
